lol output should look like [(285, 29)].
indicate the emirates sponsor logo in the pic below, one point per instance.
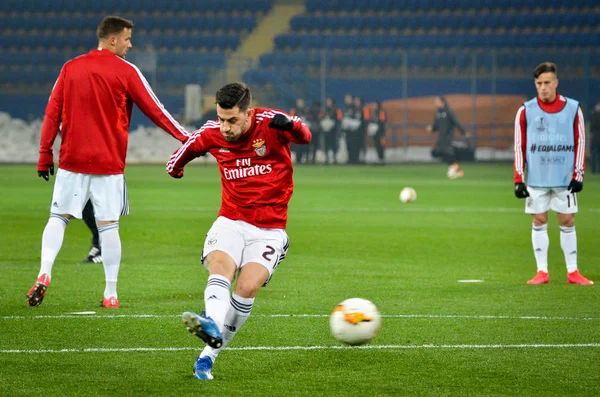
[(245, 169)]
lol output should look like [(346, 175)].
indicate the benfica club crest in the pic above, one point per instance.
[(259, 147)]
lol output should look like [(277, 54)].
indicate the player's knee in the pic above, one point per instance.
[(247, 288), (540, 219), (250, 280), (566, 220), (219, 262)]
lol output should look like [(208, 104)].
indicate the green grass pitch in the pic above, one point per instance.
[(350, 237)]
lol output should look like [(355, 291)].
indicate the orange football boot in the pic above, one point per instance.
[(576, 278), (38, 290), (540, 278)]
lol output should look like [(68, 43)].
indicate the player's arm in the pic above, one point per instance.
[(520, 147), (579, 129), (576, 184), (192, 148), (50, 127), (294, 130), (520, 153), (146, 100)]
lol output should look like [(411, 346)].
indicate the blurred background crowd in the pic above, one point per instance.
[(365, 74)]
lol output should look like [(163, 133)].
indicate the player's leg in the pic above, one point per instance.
[(264, 252), (565, 204), (538, 204), (454, 170), (95, 254), (221, 265), (221, 255), (68, 198), (251, 277), (540, 242), (110, 202)]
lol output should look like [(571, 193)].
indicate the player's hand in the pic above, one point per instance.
[(521, 190), (575, 186), (281, 122), (176, 173), (45, 166)]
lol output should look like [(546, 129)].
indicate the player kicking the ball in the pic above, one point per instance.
[(248, 239)]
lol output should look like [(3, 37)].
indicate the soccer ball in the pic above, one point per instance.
[(355, 321), (408, 195)]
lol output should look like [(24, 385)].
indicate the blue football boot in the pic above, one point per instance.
[(204, 328), (202, 368)]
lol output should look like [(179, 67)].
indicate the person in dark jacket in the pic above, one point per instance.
[(315, 127), (444, 124), (354, 126), (330, 121), (376, 130)]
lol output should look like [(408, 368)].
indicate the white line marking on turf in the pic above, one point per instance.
[(81, 313), (288, 348), (470, 281), (400, 208), (449, 316), (417, 207)]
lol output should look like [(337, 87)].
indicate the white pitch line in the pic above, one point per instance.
[(442, 316), (418, 207), (306, 348), (450, 316)]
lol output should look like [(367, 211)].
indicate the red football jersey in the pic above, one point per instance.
[(92, 99), (256, 170)]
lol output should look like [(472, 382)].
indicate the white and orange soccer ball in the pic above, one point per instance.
[(355, 321), (408, 195)]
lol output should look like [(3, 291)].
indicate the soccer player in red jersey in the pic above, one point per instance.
[(91, 105), (252, 149)]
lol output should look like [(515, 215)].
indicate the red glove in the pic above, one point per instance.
[(45, 165), (176, 173)]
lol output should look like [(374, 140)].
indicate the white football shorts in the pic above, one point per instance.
[(558, 199), (72, 191), (247, 243)]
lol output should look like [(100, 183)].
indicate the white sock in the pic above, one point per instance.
[(568, 243), (110, 245), (52, 240), (541, 242), (216, 298), (238, 313)]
